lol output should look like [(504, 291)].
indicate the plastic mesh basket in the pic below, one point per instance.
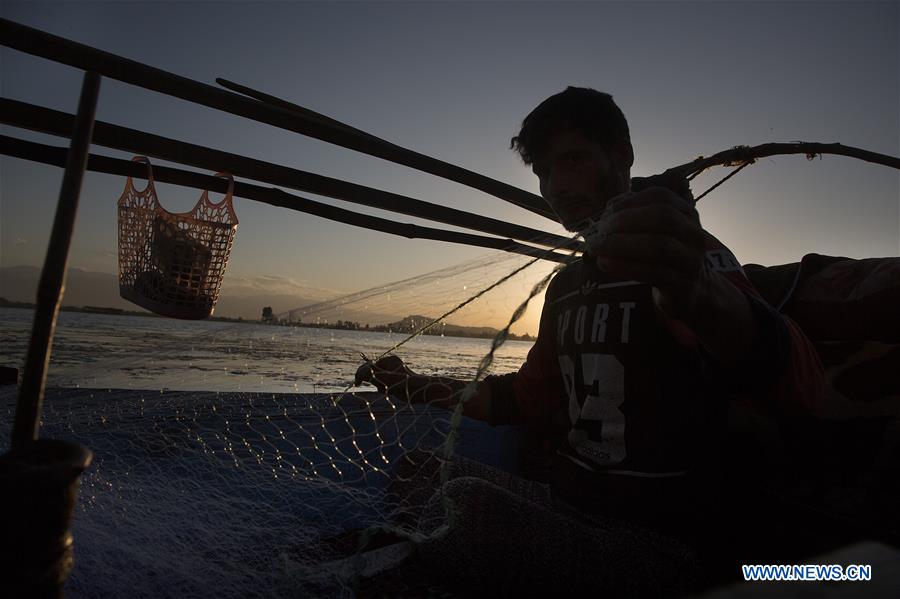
[(173, 263)]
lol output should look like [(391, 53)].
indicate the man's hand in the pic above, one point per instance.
[(389, 374), (654, 236)]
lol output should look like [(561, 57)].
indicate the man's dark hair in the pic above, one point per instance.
[(582, 109)]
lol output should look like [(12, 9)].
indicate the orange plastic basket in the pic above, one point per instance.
[(173, 263)]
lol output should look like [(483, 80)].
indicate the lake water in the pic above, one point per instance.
[(132, 352), (224, 493)]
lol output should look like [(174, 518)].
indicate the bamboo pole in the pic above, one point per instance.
[(53, 275), (114, 166), (275, 101), (39, 43), (45, 120)]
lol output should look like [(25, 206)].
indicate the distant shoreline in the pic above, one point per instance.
[(5, 303), (478, 333)]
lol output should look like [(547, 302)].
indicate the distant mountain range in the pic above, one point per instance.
[(83, 287), (414, 323), (87, 288), (99, 289)]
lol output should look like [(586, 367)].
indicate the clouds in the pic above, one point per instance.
[(241, 285)]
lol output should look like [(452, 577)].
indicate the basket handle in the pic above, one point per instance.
[(227, 200), (150, 180)]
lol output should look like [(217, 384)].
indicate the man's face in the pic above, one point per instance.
[(578, 177)]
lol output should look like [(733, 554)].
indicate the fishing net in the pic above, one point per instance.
[(236, 460)]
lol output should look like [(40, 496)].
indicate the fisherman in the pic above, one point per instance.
[(642, 344)]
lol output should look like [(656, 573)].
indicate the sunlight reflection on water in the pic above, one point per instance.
[(132, 352)]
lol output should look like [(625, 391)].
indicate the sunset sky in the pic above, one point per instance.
[(453, 80)]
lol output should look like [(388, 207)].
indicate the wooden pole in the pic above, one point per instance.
[(39, 43), (742, 155), (275, 101), (45, 120), (57, 156), (53, 274)]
